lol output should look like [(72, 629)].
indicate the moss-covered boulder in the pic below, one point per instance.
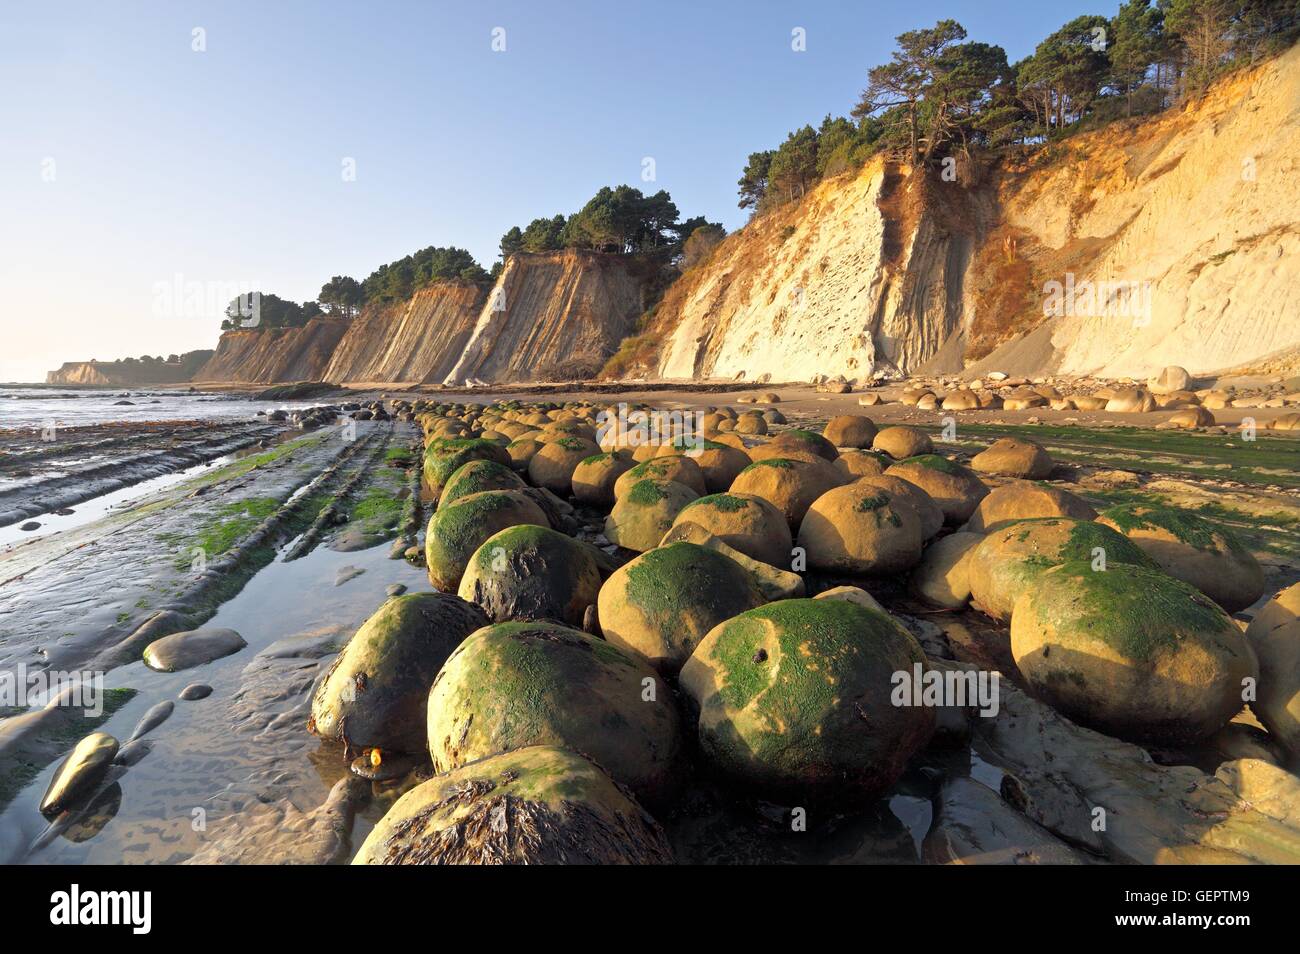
[(950, 485), (444, 457), (532, 572), (747, 523), (943, 576), (859, 529), (479, 476), (539, 805), (676, 467), (375, 692), (645, 511), (854, 463), (751, 422), (595, 476), (460, 527), (1014, 457), (1011, 559), (553, 465), (719, 463), (808, 442), (905, 492), (661, 604), (1131, 652), (521, 451), (901, 442), (790, 485), (1191, 549), (1274, 634), (1024, 500), (850, 430), (795, 701), (518, 684)]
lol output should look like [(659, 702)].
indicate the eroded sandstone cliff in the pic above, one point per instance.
[(272, 355)]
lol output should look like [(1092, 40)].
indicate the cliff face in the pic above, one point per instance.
[(416, 341), (551, 315), (273, 355), (119, 374), (1172, 240)]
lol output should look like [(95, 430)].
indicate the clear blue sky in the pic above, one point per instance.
[(128, 159)]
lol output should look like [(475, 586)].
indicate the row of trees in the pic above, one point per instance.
[(941, 95), (272, 311), (620, 220)]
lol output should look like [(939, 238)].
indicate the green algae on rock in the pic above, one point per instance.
[(478, 476), (645, 511), (460, 527), (532, 572), (747, 523)]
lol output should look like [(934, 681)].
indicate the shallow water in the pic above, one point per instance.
[(39, 407)]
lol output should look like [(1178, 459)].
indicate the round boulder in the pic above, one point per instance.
[(1135, 654), (460, 527), (1023, 500), (1274, 634), (951, 486), (517, 684), (478, 476), (790, 485), (661, 604), (850, 430), (907, 493), (853, 463), (552, 467), (860, 529), (532, 572), (594, 477), (901, 442), (795, 700), (445, 456), (676, 467), (645, 511), (943, 577), (1014, 457), (750, 524)]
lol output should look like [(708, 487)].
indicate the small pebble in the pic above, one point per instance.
[(195, 691), (395, 589)]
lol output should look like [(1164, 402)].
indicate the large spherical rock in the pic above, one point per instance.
[(719, 463), (521, 451), (645, 512), (901, 442), (1014, 457), (534, 806), (1023, 500), (460, 527), (850, 430), (375, 693), (1275, 635), (806, 442), (661, 604), (444, 457), (795, 700), (532, 572), (595, 476), (1131, 652), (751, 422), (853, 464), (518, 684), (750, 524), (479, 476), (1193, 550), (790, 485), (861, 529), (951, 486), (552, 467), (676, 467), (1012, 558), (906, 492), (943, 576), (1172, 378)]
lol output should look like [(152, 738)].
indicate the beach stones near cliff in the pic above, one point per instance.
[(518, 684), (78, 776), (1275, 636), (1013, 558), (532, 572), (943, 576), (790, 485), (1014, 457), (552, 467), (1189, 418), (479, 476), (661, 604), (907, 493), (750, 524), (850, 430), (901, 442), (595, 476), (860, 529), (1133, 653), (533, 806), (719, 463), (191, 648), (457, 529), (1169, 380), (795, 701), (375, 692), (1130, 401), (1193, 550), (645, 511), (953, 488), (797, 442), (676, 467), (853, 463), (1024, 500), (961, 401), (444, 457), (751, 422), (521, 452)]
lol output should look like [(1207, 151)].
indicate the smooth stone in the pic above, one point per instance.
[(395, 589), (132, 752), (155, 717), (191, 648), (346, 573), (80, 774), (195, 691)]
